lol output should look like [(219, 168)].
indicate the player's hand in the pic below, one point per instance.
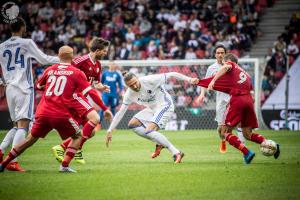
[(194, 81), (108, 115), (211, 85), (108, 138), (200, 99), (106, 88)]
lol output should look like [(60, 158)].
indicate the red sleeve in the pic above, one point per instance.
[(97, 99), (82, 82), (41, 82)]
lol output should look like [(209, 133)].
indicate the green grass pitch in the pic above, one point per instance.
[(126, 171)]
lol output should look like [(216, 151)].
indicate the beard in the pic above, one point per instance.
[(98, 57)]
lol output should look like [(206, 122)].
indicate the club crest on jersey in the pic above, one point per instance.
[(149, 91)]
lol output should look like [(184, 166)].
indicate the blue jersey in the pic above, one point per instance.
[(113, 80)]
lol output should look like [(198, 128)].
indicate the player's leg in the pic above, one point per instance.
[(17, 151), (249, 122), (114, 104), (240, 134), (233, 118), (220, 118), (68, 128), (23, 113), (7, 141), (222, 147)]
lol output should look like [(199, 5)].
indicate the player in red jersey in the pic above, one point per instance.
[(61, 83), (91, 67), (233, 80)]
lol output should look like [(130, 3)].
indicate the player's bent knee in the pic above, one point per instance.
[(93, 117), (133, 123)]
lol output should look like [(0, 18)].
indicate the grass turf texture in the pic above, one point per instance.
[(126, 171)]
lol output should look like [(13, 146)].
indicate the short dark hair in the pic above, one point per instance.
[(128, 75), (98, 43), (220, 46), (17, 25), (231, 57)]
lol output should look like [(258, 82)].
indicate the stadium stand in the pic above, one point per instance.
[(287, 45)]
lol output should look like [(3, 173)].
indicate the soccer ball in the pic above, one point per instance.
[(268, 148)]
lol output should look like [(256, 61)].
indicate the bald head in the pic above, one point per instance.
[(65, 54)]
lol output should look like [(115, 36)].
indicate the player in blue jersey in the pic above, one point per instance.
[(113, 79)]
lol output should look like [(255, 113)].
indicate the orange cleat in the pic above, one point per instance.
[(223, 146), (178, 157), (14, 166), (156, 153), (1, 156)]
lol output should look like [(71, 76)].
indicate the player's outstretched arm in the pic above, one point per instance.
[(117, 118), (224, 69), (40, 56), (182, 77)]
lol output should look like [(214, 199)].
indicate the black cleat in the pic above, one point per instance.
[(277, 153)]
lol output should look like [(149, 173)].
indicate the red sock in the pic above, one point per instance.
[(234, 141), (66, 143), (82, 142), (88, 129), (70, 153), (12, 155), (255, 137)]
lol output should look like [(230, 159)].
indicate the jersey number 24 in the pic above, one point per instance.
[(19, 59)]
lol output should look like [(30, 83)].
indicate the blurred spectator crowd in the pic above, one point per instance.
[(285, 49), (141, 29)]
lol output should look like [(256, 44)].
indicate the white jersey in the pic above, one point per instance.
[(15, 60), (152, 93), (220, 96)]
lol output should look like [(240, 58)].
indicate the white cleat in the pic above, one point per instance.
[(66, 170)]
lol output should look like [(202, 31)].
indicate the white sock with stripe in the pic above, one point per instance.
[(8, 139), (19, 137), (162, 140)]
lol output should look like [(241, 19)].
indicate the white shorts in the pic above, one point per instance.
[(220, 112), (159, 116), (20, 104)]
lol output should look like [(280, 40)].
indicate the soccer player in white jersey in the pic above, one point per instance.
[(222, 99), (15, 59), (149, 91)]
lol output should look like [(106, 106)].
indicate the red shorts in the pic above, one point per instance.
[(66, 127), (79, 107), (241, 110)]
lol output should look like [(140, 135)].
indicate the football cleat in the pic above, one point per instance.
[(178, 157), (58, 152), (277, 153), (78, 157), (66, 169), (14, 166), (223, 146), (248, 158), (158, 148)]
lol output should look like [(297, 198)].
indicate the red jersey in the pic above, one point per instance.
[(234, 82), (60, 82), (90, 69)]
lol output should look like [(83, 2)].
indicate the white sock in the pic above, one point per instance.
[(19, 137), (140, 131), (8, 139), (162, 140), (240, 135)]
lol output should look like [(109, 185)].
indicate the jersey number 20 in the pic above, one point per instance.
[(58, 84)]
